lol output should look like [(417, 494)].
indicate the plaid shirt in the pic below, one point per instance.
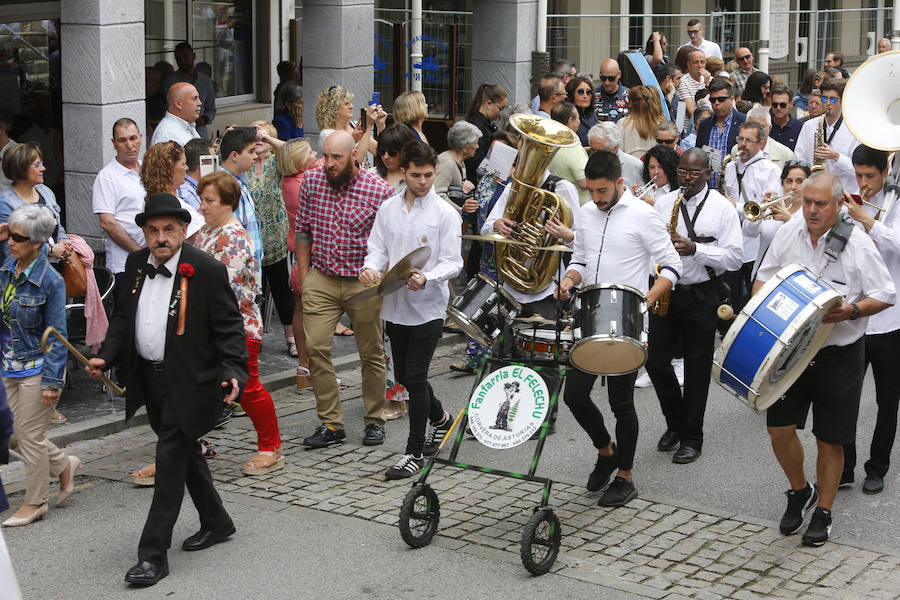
[(339, 220), (246, 214), (718, 139)]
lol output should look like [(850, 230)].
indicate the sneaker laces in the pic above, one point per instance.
[(433, 430), (407, 462)]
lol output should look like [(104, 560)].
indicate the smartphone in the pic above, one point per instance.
[(209, 163), (857, 197), (248, 130), (362, 118), (376, 98)]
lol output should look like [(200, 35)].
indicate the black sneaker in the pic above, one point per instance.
[(819, 528), (325, 436), (374, 435), (434, 434), (847, 479), (602, 470), (799, 503), (407, 466), (619, 493)]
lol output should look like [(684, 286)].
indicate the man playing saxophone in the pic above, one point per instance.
[(708, 239)]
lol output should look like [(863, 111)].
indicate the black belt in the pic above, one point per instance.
[(157, 366)]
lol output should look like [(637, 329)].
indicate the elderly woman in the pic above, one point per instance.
[(289, 121), (225, 239), (387, 159), (580, 92), (334, 112), (34, 298), (451, 169), (639, 127), (411, 109), (264, 184), (163, 170)]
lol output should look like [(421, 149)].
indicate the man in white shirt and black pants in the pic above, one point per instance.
[(617, 236), (832, 382), (708, 239), (882, 341), (414, 316)]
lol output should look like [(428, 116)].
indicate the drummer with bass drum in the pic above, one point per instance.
[(844, 258), (617, 236)]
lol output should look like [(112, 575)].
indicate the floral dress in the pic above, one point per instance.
[(265, 190), (230, 245)]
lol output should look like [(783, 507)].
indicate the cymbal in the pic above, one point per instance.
[(397, 276), (535, 320), (494, 238), (557, 248)]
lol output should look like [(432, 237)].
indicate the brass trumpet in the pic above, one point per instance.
[(862, 200), (647, 187), (756, 211)]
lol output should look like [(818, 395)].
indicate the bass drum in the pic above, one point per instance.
[(609, 329), (484, 309)]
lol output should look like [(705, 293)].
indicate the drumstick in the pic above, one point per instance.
[(449, 431), (45, 348)]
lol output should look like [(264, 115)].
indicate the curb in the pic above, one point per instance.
[(96, 427)]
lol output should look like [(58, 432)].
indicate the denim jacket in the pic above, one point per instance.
[(38, 303), (10, 201)]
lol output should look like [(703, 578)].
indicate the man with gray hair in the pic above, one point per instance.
[(551, 93), (771, 149), (565, 70), (884, 45), (832, 383), (606, 136)]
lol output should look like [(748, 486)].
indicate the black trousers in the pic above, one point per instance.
[(881, 353), (692, 318), (179, 462), (412, 347), (621, 399), (276, 277)]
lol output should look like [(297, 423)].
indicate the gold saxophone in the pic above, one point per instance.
[(661, 306), (728, 158), (818, 140)]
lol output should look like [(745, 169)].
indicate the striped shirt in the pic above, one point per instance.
[(718, 139), (246, 214)]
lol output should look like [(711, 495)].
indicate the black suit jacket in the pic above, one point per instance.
[(704, 129), (211, 350)]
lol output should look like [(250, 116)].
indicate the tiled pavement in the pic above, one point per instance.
[(650, 548)]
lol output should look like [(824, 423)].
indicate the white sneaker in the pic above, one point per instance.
[(643, 381), (678, 365)]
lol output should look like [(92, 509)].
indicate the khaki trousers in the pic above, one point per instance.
[(31, 420), (325, 298)]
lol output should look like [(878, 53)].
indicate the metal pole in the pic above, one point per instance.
[(624, 11), (415, 55), (765, 14), (895, 34), (541, 42)]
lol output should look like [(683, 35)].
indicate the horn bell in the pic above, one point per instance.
[(871, 102)]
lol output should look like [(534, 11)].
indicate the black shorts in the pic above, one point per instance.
[(832, 384)]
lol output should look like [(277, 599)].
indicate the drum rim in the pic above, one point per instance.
[(498, 285), (562, 334), (630, 341)]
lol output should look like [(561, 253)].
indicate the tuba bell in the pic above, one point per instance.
[(527, 268)]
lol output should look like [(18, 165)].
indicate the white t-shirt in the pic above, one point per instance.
[(118, 191)]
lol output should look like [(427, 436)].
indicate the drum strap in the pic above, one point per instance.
[(837, 238)]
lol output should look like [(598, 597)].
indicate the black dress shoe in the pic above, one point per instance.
[(873, 484), (146, 573), (204, 539), (686, 454), (668, 441)]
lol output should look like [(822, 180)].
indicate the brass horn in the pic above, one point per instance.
[(756, 211)]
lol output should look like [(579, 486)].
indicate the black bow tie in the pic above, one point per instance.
[(161, 269)]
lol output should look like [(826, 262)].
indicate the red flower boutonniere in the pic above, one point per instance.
[(186, 270)]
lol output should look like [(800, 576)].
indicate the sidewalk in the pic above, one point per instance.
[(655, 547)]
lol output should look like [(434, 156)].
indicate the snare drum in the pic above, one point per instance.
[(774, 337), (484, 309), (609, 329), (541, 343)]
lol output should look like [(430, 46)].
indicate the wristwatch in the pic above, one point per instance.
[(855, 314)]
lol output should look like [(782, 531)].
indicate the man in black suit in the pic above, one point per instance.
[(181, 336), (719, 132)]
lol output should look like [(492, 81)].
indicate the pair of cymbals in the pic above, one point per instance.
[(496, 238), (396, 278)]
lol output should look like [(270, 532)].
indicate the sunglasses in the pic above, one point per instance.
[(693, 31), (745, 57), (829, 99), (18, 237), (389, 152), (779, 105), (662, 141), (798, 163), (608, 77), (583, 92), (717, 99)]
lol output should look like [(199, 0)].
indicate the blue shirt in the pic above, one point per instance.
[(188, 192), (285, 127), (788, 134), (718, 139), (246, 214)]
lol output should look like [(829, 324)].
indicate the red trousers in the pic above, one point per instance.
[(258, 404)]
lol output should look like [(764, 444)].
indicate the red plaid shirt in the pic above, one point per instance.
[(339, 220)]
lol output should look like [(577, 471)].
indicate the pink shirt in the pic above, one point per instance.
[(290, 191)]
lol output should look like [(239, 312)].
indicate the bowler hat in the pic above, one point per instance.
[(162, 205)]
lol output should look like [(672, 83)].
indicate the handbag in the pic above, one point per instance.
[(72, 270)]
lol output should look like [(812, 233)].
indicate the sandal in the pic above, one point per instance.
[(292, 348), (145, 476), (304, 381), (462, 366), (207, 449), (57, 418), (264, 462), (343, 330)]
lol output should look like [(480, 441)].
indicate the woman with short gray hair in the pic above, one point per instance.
[(451, 182), (33, 298)]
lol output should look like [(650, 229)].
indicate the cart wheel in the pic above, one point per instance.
[(540, 541), (419, 516)]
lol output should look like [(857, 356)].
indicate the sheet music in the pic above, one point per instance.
[(502, 158)]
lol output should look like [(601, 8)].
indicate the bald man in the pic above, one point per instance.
[(337, 207), (183, 110), (612, 95), (745, 69)]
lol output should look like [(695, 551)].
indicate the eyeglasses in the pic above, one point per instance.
[(389, 151), (608, 77), (583, 92), (829, 99), (717, 99), (693, 31), (37, 164), (662, 141), (745, 57), (746, 140), (779, 105), (563, 94), (693, 172), (18, 237)]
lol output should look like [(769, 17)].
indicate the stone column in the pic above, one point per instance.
[(338, 43), (102, 81), (503, 38)]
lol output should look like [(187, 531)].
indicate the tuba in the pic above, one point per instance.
[(526, 267)]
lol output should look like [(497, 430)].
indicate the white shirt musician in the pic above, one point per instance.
[(617, 235), (414, 315), (833, 381), (837, 142), (882, 341), (709, 247)]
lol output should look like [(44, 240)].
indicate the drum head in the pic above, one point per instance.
[(603, 355)]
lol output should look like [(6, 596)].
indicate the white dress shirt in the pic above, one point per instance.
[(709, 48), (397, 231), (775, 151), (570, 195), (174, 129), (718, 220), (759, 176), (151, 318), (615, 245), (858, 273), (632, 168), (842, 142), (118, 191), (764, 230), (886, 235)]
